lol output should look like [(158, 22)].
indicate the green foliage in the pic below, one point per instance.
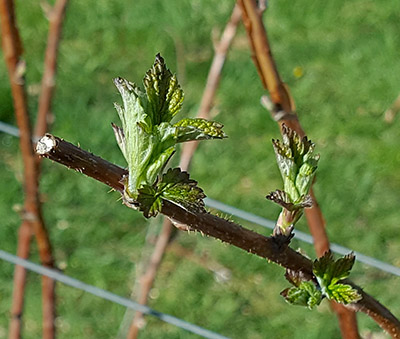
[(283, 199), (164, 95), (341, 97), (198, 129), (306, 294), (175, 186), (297, 163), (147, 139), (329, 272)]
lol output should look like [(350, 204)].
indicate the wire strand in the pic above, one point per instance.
[(53, 274)]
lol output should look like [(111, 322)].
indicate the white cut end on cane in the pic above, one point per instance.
[(45, 145)]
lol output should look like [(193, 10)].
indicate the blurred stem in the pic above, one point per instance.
[(284, 104), (32, 215), (56, 18), (23, 249)]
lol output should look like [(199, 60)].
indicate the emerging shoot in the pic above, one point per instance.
[(147, 140), (297, 164)]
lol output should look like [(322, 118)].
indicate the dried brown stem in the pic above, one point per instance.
[(269, 248), (32, 216), (56, 18), (284, 105), (188, 149)]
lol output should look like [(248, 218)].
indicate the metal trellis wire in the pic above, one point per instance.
[(53, 274)]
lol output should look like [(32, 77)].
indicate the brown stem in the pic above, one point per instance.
[(269, 248), (24, 240), (188, 149), (56, 18), (284, 104), (147, 279), (262, 55), (213, 78), (32, 216)]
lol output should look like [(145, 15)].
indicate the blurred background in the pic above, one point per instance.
[(341, 61)]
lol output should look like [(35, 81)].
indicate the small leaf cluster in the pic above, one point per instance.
[(148, 139), (174, 185), (328, 273), (304, 293), (297, 164)]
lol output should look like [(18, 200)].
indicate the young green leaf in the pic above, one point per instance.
[(147, 138), (149, 200), (322, 266), (177, 187), (297, 164), (282, 198), (342, 293), (198, 129), (163, 91), (134, 141), (306, 294), (329, 272), (329, 269)]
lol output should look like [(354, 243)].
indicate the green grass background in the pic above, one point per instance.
[(349, 54)]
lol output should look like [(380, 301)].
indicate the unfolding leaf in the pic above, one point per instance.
[(296, 162), (198, 129), (177, 187), (285, 160), (147, 139), (132, 111), (283, 199), (342, 267), (321, 266), (329, 272), (149, 201), (164, 94), (343, 293), (306, 294)]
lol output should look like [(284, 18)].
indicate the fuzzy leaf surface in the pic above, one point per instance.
[(198, 129), (330, 272), (342, 293), (177, 187), (147, 138), (297, 163), (163, 91), (150, 202), (305, 294)]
